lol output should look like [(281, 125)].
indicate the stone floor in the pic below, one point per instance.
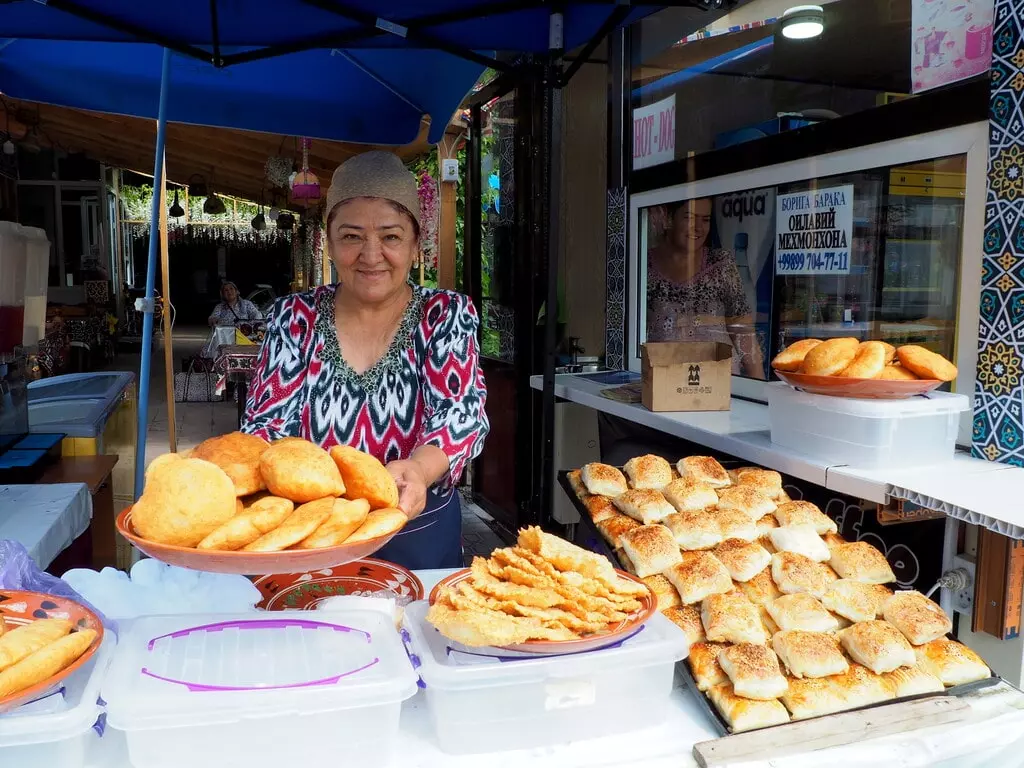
[(196, 422)]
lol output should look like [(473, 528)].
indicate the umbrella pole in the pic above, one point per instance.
[(172, 436), (147, 304)]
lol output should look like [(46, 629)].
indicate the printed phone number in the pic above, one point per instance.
[(828, 261)]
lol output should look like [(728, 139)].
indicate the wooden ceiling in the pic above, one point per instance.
[(233, 161)]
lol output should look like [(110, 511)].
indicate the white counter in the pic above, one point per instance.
[(965, 488)]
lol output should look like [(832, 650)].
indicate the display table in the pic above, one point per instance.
[(95, 472), (964, 488), (235, 364), (46, 519)]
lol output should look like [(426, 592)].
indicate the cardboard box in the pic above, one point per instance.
[(686, 376)]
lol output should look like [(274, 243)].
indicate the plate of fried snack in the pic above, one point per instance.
[(43, 639), (238, 504), (542, 596), (847, 367), (786, 619)]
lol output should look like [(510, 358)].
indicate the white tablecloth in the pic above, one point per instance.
[(44, 518), (219, 336)]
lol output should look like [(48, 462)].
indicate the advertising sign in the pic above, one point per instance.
[(654, 134), (951, 41), (814, 232)]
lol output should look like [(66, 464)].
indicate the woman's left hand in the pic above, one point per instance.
[(412, 486)]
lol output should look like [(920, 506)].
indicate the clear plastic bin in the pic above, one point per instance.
[(868, 434), (57, 731), (263, 690), (481, 704)]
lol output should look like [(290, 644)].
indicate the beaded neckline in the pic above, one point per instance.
[(370, 379)]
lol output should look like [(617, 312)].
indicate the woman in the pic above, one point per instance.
[(378, 363), (232, 308)]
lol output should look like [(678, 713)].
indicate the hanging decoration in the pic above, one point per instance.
[(278, 169), (305, 185), (428, 219)]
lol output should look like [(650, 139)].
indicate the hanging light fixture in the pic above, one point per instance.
[(176, 211), (305, 185), (213, 205), (259, 221), (285, 221), (803, 22)]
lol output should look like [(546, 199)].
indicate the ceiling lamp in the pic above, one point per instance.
[(176, 211), (259, 221), (802, 22), (305, 185), (214, 205), (285, 220)]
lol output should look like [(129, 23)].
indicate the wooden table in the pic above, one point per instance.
[(95, 472)]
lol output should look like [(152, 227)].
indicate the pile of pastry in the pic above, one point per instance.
[(543, 589), (850, 358), (32, 653), (239, 492), (786, 619)]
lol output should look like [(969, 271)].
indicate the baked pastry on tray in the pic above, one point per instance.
[(765, 526), (705, 469), (878, 645), (761, 589), (856, 600), (615, 527), (731, 618), (603, 480), (743, 559), (753, 670), (770, 627), (646, 506), (861, 687), (810, 654), (648, 471), (735, 524), (860, 561), (651, 549), (805, 513), (801, 612), (694, 530), (699, 575), (802, 539), (913, 681), (600, 507), (747, 500), (687, 618), (793, 574), (814, 697), (952, 662), (703, 661), (742, 714), (664, 592), (918, 618), (686, 495), (767, 481)]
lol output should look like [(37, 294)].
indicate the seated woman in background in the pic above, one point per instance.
[(232, 308)]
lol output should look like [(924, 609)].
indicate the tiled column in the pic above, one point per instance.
[(998, 433), (615, 280)]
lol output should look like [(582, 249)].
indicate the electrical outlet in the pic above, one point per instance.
[(963, 600)]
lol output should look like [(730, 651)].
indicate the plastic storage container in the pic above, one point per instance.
[(483, 704), (867, 433), (37, 273), (12, 286), (259, 690), (57, 731)]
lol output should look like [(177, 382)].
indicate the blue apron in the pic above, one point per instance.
[(431, 540)]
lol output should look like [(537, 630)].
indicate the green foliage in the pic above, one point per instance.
[(137, 202)]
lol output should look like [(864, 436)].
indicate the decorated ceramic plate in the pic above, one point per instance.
[(864, 389), (19, 608), (249, 563), (304, 591), (615, 633)]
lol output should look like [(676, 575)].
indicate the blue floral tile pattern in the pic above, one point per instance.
[(615, 280)]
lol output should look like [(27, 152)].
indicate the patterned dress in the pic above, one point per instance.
[(427, 389)]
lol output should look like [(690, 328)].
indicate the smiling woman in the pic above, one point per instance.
[(379, 364)]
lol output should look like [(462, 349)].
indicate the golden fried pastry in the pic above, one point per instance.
[(45, 662), (926, 364), (296, 527), (914, 681), (856, 600), (766, 481), (688, 495), (731, 618), (162, 460), (184, 502), (25, 640), (896, 373), (693, 530), (651, 549), (792, 357), (703, 660), (345, 518), (298, 470), (952, 662), (663, 590), (809, 654), (805, 513), (604, 480), (567, 557), (795, 574), (380, 522), (878, 645), (600, 507), (860, 561), (263, 516), (687, 618), (734, 524), (481, 627), (747, 500), (801, 613), (868, 363), (743, 714), (890, 352), (238, 454), (613, 528), (761, 589), (645, 506), (3, 625), (365, 477), (754, 671), (743, 559), (704, 469), (699, 575), (802, 539), (649, 471), (918, 618), (830, 357)]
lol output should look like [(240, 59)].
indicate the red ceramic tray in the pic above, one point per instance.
[(19, 608), (250, 563), (303, 591), (865, 389)]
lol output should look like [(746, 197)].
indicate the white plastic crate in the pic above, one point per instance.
[(283, 688), (483, 704), (57, 731), (868, 434)]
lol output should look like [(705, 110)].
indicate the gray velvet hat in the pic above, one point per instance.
[(375, 174)]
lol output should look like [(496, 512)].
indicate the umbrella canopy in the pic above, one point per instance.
[(318, 68)]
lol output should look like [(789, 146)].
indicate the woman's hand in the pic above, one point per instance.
[(412, 486)]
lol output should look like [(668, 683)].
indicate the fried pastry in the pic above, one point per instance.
[(767, 482), (792, 357), (693, 530), (45, 662), (688, 495), (753, 670), (731, 618), (856, 600), (801, 539), (734, 524), (263, 516), (952, 662), (161, 461), (648, 472), (878, 645), (830, 357), (184, 502), (364, 477), (743, 559), (615, 527), (801, 613), (346, 517), (918, 618), (704, 469), (566, 557), (868, 363), (238, 454), (703, 661), (604, 480), (296, 527), (25, 640), (687, 618), (897, 373), (745, 499), (860, 561), (645, 506), (743, 714), (699, 575), (913, 681), (651, 549), (809, 654), (480, 627), (298, 470), (793, 574), (663, 590), (926, 364), (805, 513), (379, 523)]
